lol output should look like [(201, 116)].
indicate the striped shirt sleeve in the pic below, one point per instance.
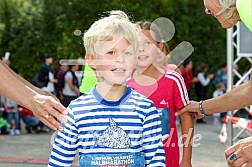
[(65, 144), (152, 139)]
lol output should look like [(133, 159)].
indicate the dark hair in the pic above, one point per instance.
[(45, 56), (146, 25), (203, 67), (223, 65), (186, 62)]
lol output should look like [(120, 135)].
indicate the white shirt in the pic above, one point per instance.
[(50, 85), (67, 90), (204, 81)]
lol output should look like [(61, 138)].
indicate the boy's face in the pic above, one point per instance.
[(148, 50), (114, 60)]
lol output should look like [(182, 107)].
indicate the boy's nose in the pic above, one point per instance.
[(141, 48), (120, 58)]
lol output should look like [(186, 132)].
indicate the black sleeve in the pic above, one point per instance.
[(44, 75)]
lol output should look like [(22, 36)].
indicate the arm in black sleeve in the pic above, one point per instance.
[(44, 75)]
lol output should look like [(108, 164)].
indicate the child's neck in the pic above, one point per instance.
[(149, 75), (110, 92)]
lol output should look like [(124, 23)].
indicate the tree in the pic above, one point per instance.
[(31, 28)]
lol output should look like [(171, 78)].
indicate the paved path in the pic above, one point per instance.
[(33, 150)]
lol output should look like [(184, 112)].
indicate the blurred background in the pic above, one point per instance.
[(31, 28)]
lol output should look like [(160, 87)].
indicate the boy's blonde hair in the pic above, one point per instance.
[(117, 23)]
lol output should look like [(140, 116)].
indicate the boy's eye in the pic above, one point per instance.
[(127, 53), (111, 52), (148, 43)]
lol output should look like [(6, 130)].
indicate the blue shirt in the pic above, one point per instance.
[(125, 132)]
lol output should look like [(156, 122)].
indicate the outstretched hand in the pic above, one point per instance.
[(193, 108), (240, 153), (45, 108)]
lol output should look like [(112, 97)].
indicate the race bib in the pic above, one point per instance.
[(165, 121), (113, 160)]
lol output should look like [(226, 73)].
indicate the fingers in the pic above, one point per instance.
[(192, 107), (240, 161), (49, 120), (240, 153), (59, 107), (57, 110), (231, 159), (45, 108), (198, 115), (239, 157), (231, 150), (46, 114), (194, 117), (179, 112), (249, 164), (57, 115)]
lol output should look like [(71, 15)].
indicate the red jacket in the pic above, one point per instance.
[(24, 111), (188, 77)]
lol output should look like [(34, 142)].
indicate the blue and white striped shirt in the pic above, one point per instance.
[(129, 127)]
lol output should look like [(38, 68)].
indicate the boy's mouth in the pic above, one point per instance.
[(119, 71), (142, 57)]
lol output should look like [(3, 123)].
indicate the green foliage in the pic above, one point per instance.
[(30, 28)]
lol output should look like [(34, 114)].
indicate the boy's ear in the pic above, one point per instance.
[(90, 61)]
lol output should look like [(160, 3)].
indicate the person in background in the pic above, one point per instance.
[(60, 76), (228, 13), (12, 114), (8, 63), (10, 106), (46, 74), (33, 125), (201, 87), (187, 74), (221, 75), (218, 92), (70, 85), (168, 92)]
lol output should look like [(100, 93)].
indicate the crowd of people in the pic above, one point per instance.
[(55, 79), (62, 81), (135, 123)]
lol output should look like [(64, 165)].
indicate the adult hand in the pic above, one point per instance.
[(240, 153), (192, 107), (43, 92), (45, 108)]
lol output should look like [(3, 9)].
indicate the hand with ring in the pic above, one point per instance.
[(240, 153), (47, 109)]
